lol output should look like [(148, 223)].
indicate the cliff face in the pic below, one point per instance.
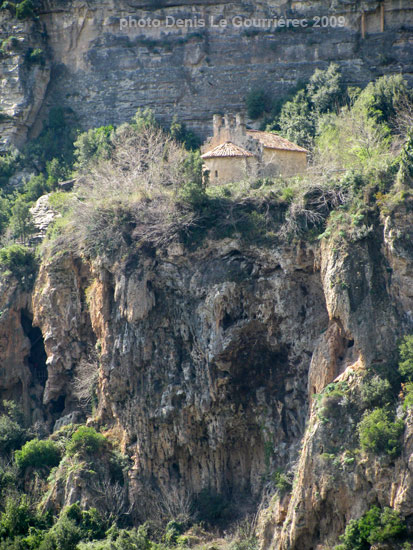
[(207, 362), (104, 69), (201, 364), (368, 294)]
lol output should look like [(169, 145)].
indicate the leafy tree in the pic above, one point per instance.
[(73, 526), (64, 535), (21, 219), (324, 90), (297, 121), (122, 539), (352, 140), (56, 171), (408, 396), (4, 213), (144, 119), (299, 117), (381, 98), (192, 168), (93, 145)]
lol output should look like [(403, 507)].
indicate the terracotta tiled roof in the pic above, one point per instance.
[(273, 141), (227, 149)]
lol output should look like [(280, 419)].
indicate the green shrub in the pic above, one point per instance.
[(378, 434), (25, 10), (18, 517), (406, 357), (247, 543), (194, 195), (64, 535), (20, 261), (35, 188), (38, 454), (12, 435), (86, 440), (9, 163), (122, 539), (36, 55), (172, 532), (282, 483), (376, 392), (373, 527), (408, 396), (74, 525), (93, 145)]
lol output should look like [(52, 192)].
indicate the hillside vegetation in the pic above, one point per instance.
[(139, 187)]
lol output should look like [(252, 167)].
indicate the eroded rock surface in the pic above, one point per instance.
[(208, 361)]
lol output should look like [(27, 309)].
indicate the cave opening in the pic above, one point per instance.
[(37, 356), (58, 405)]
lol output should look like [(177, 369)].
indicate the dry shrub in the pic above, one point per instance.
[(85, 381), (311, 207)]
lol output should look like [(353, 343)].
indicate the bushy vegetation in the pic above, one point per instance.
[(406, 358), (282, 482), (19, 261), (25, 9), (376, 392), (12, 431), (86, 440), (38, 454), (375, 526), (331, 400), (20, 523), (380, 434), (141, 187), (122, 539), (22, 9)]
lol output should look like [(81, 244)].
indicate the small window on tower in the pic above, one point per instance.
[(216, 173)]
